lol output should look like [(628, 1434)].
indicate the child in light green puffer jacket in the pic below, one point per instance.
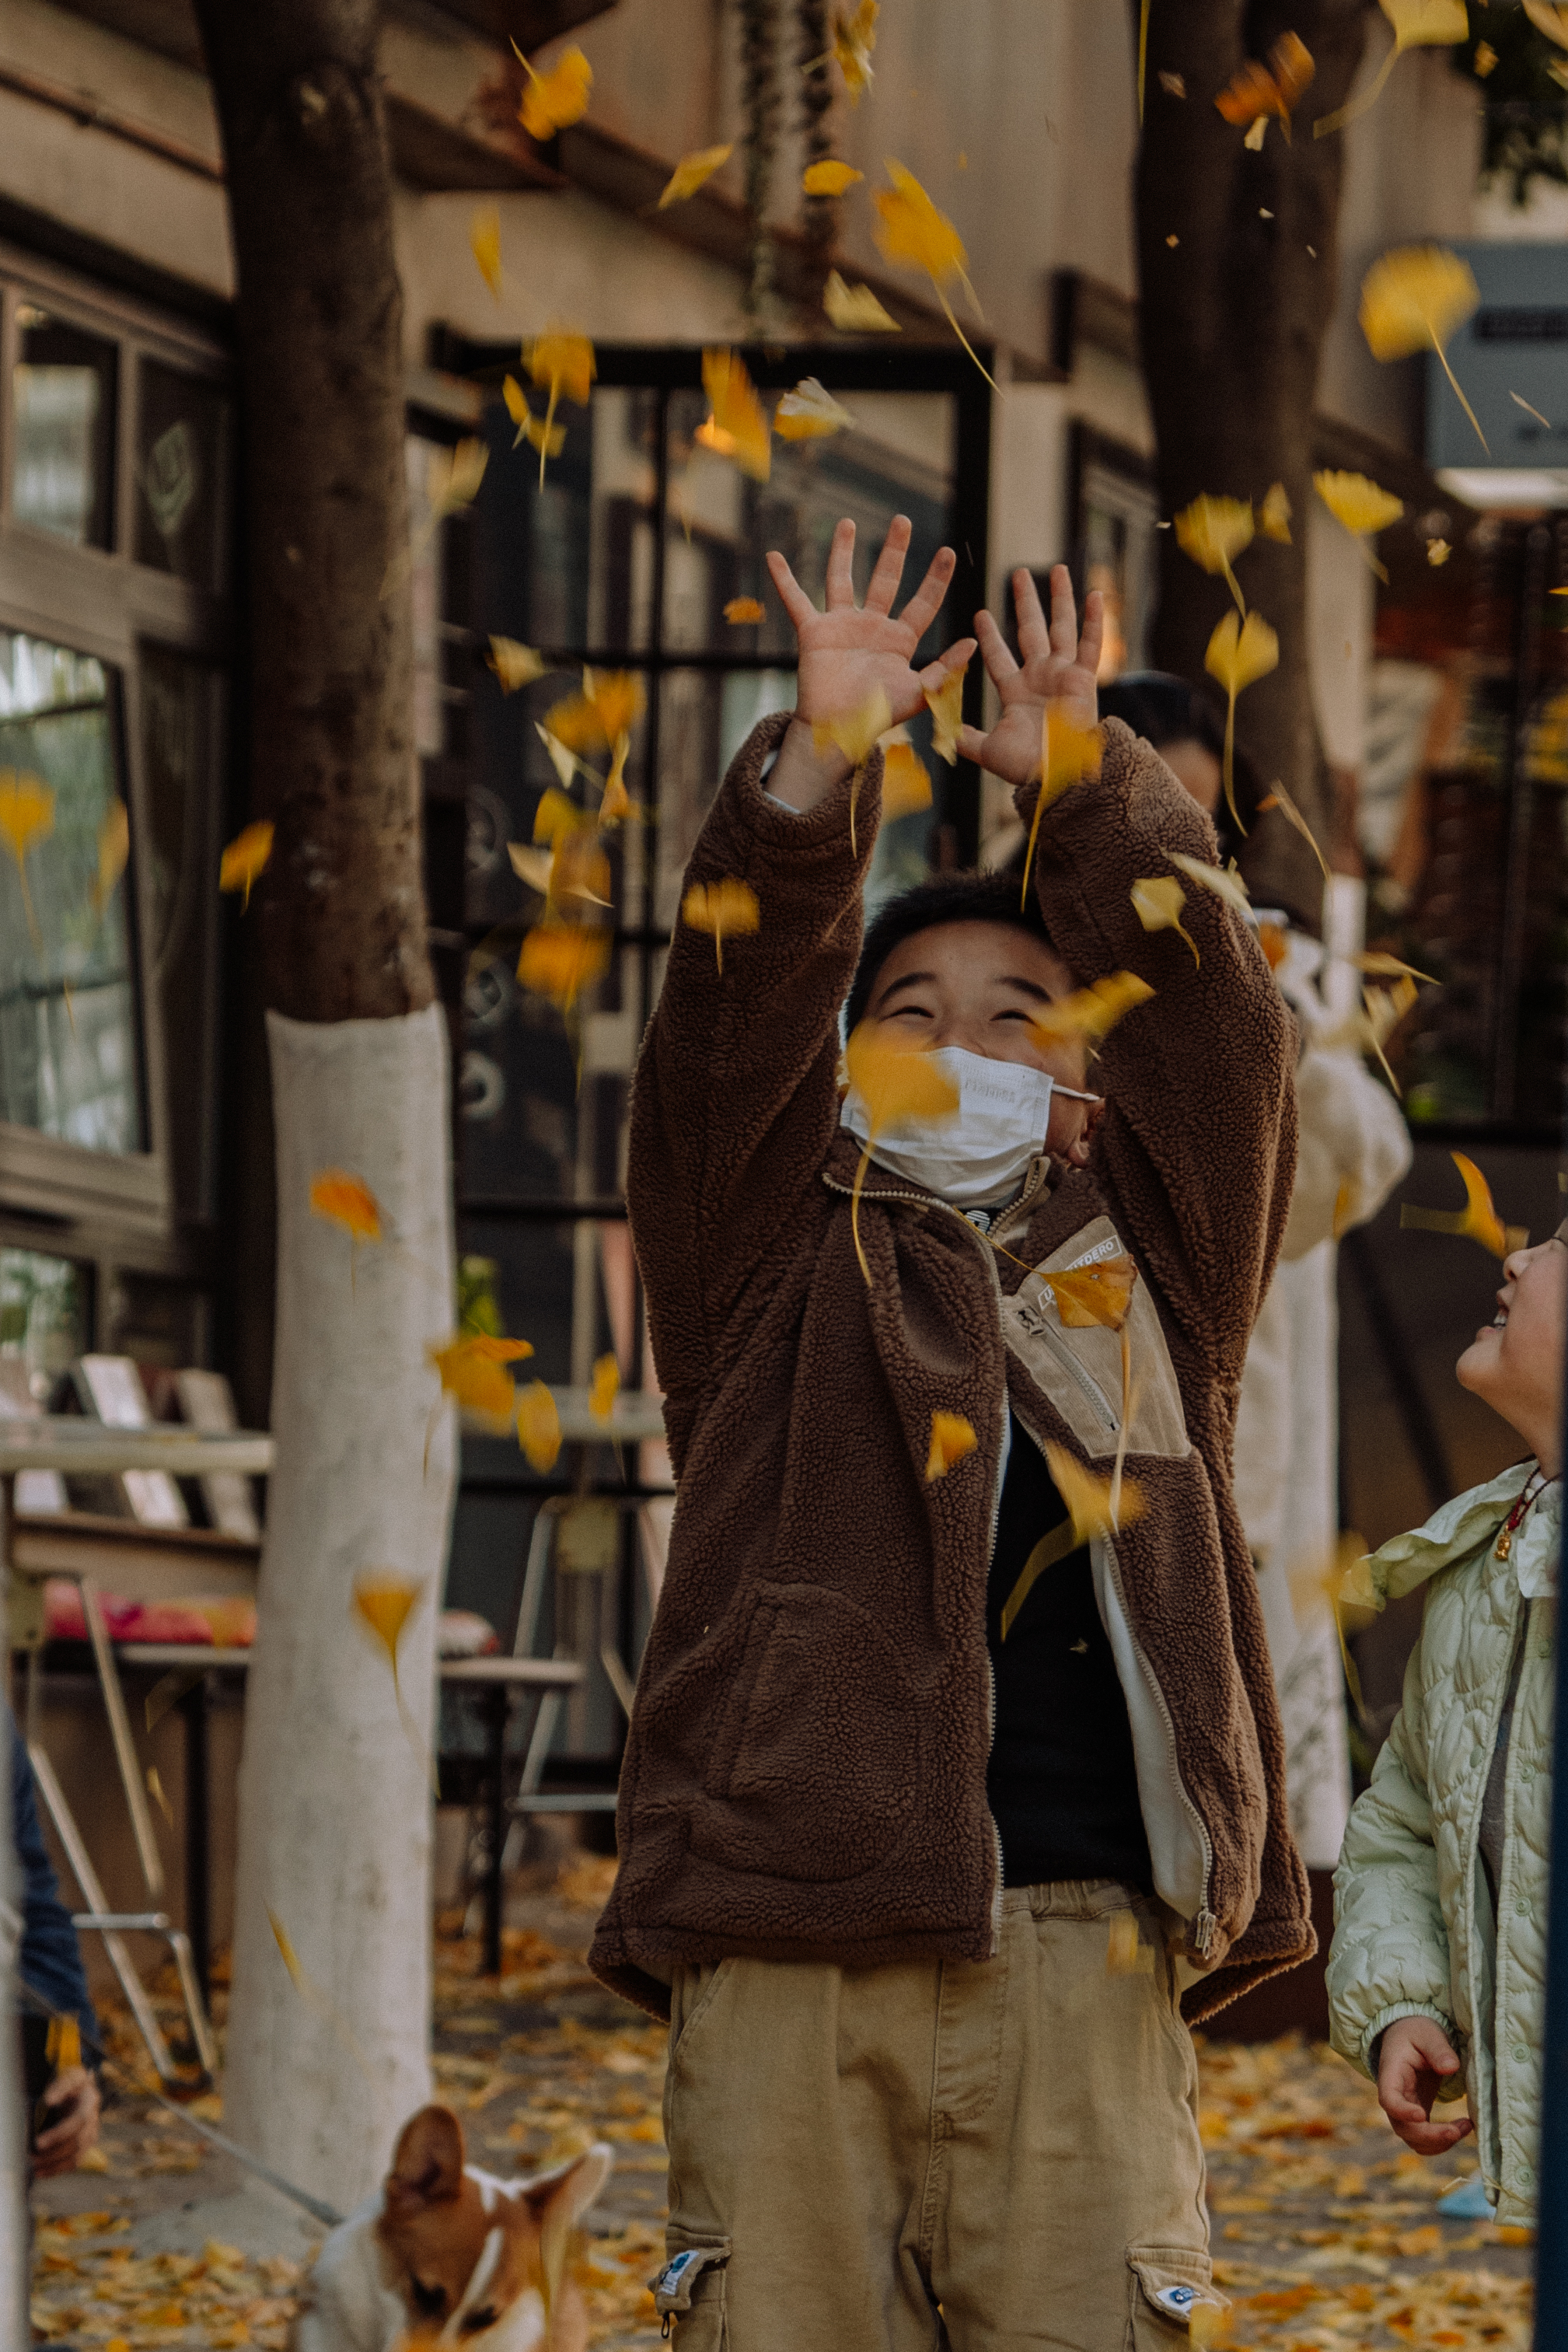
[(1438, 1972)]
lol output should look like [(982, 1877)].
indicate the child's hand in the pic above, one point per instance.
[(72, 2108), (1415, 2059), (1057, 667), (849, 650)]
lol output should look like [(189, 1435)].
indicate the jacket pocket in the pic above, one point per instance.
[(1166, 2285), (1078, 1369), (689, 2294), (813, 1770)]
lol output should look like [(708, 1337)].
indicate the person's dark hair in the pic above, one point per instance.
[(1165, 709), (945, 899)]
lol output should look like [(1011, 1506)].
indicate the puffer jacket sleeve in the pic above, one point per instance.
[(1390, 1955)]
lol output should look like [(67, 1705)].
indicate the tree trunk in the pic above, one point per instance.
[(1237, 264), (334, 1800)]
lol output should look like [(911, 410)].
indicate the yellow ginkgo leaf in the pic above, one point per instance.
[(1389, 966), (1089, 1296), (855, 38), (912, 231), (113, 852), (1157, 904), (452, 479), (1088, 1498), (1261, 94), (1274, 514), (557, 817), (1089, 1013), (26, 817), (346, 1201), (514, 664), (558, 960), (1279, 798), (744, 611), (720, 906), (1415, 296), (539, 1425), (1067, 752), (1214, 532), (808, 412), (895, 1081), (1438, 551), (1550, 20), (854, 309), (1275, 942), (952, 1438), (618, 802), (555, 99), (548, 439), (562, 359), (1126, 1953), (690, 171), (829, 178), (604, 1388), (611, 703), (474, 1371), (855, 733), (1362, 506), (945, 704), (1240, 653), (738, 412), (1224, 884), (1478, 1221), (383, 1603), (485, 237), (1417, 23), (534, 867), (905, 779)]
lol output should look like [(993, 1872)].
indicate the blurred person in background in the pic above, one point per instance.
[(63, 2103)]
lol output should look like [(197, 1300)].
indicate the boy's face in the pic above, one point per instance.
[(1515, 1362), (977, 985)]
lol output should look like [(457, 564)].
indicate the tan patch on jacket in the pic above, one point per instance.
[(1080, 1370)]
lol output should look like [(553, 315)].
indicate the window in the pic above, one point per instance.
[(625, 558), (115, 465)]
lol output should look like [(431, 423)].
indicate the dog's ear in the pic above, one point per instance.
[(428, 2167), (555, 2199)]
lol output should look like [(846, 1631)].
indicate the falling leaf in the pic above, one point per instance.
[(1417, 23), (1552, 20), (604, 1388), (855, 38), (473, 1370), (611, 703), (155, 1790), (242, 861), (1214, 532), (1088, 1498), (951, 1438), (855, 733), (1157, 904), (1530, 411), (1274, 514), (719, 906), (113, 851), (905, 779), (829, 178), (1089, 1013), (1280, 799), (62, 2042), (744, 611), (1416, 295), (557, 817), (344, 1201), (452, 481), (1261, 93), (485, 237), (1239, 654), (1275, 944), (945, 704), (562, 359), (549, 440), (555, 99), (690, 171), (560, 959), (1390, 965), (854, 309), (383, 1604), (514, 664), (1227, 886), (738, 412), (895, 1081), (1438, 552), (1126, 1953), (534, 867), (912, 231), (1095, 1297), (1485, 59), (618, 802), (1173, 84), (1362, 506), (26, 817), (1067, 752), (1478, 1221), (539, 1425), (808, 412)]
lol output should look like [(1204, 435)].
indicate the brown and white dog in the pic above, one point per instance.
[(446, 2254)]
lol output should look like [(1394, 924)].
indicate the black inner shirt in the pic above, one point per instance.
[(1062, 1783)]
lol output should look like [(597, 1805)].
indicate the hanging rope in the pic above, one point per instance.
[(760, 100)]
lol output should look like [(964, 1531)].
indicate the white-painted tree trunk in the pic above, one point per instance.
[(334, 1804)]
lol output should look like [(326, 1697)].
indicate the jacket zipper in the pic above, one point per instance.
[(1099, 1402)]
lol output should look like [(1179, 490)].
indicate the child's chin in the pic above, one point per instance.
[(1478, 1361)]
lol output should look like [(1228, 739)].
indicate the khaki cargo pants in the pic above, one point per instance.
[(982, 2155)]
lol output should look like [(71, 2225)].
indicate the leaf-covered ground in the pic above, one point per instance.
[(1326, 2233)]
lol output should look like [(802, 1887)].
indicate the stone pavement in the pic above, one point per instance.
[(1326, 2233)]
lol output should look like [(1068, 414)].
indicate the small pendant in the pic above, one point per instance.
[(1504, 1544)]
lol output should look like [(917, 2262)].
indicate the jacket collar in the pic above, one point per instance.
[(881, 1185), (1454, 1533)]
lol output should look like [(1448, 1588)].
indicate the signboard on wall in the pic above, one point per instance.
[(1512, 351)]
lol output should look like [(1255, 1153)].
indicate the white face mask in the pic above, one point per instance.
[(979, 1152)]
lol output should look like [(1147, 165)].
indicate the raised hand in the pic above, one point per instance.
[(849, 651), (1059, 666)]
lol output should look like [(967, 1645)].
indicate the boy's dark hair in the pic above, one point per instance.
[(946, 898), (1165, 709)]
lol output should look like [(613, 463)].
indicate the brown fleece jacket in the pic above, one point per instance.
[(805, 1777)]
